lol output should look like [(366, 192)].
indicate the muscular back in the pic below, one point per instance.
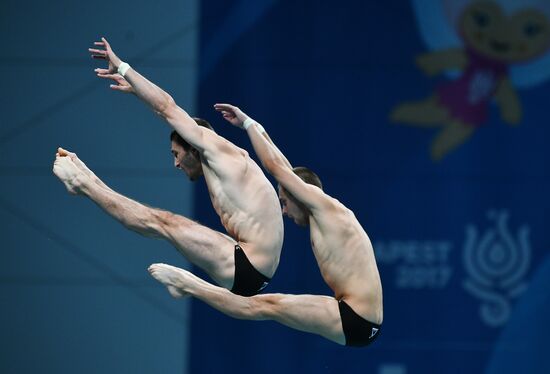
[(246, 202), (346, 258)]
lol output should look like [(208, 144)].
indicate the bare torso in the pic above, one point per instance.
[(247, 204), (345, 257)]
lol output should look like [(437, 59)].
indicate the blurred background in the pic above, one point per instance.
[(456, 209)]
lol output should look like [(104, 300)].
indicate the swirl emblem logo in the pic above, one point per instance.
[(496, 263)]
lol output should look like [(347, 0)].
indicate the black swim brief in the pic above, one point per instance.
[(248, 281), (358, 331)]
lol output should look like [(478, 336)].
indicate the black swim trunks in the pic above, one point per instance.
[(248, 281), (358, 331)]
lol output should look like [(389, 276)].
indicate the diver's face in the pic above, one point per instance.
[(186, 161), (291, 209), (509, 38)]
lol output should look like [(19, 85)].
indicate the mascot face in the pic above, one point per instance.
[(517, 37)]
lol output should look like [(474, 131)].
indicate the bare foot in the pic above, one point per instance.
[(172, 277), (69, 174), (81, 165)]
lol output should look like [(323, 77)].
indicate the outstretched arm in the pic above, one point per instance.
[(273, 159), (435, 62), (238, 118), (160, 101)]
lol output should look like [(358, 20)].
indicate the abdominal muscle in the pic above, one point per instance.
[(346, 260), (248, 208)]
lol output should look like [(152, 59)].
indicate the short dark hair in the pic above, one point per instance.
[(175, 137), (308, 176)]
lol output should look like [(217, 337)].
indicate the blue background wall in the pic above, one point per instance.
[(322, 78)]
